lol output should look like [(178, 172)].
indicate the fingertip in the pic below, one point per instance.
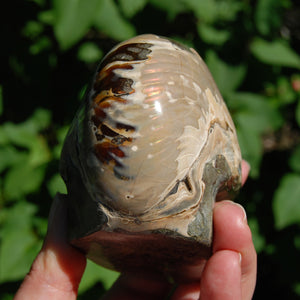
[(224, 209), (231, 232), (245, 171), (188, 291), (57, 221), (221, 278)]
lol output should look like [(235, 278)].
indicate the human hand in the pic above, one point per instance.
[(229, 274)]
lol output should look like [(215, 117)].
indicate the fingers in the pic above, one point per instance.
[(58, 268), (231, 271), (221, 278), (231, 232), (139, 286), (187, 291), (245, 171)]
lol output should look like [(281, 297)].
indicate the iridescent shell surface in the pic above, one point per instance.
[(147, 154)]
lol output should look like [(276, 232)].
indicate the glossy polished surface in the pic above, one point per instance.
[(150, 142)]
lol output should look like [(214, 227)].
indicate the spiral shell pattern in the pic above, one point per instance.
[(152, 120)]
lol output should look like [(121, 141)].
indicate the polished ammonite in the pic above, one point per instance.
[(146, 156)]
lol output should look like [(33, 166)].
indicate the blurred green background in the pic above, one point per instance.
[(49, 51)]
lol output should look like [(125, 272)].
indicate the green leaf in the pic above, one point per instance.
[(132, 7), (294, 160), (256, 111), (9, 156), (18, 250), (19, 244), (22, 179), (253, 116), (47, 17), (41, 44), (205, 10), (268, 15), (7, 296), (228, 77), (212, 11), (39, 152), (258, 239), (119, 29), (286, 94), (94, 273), (4, 139), (61, 134), (89, 52), (25, 134), (228, 10), (17, 216), (39, 2), (73, 18), (253, 122), (211, 35), (286, 204), (170, 7), (40, 226), (19, 135), (251, 147), (275, 53), (298, 113), (296, 288), (32, 29), (56, 185)]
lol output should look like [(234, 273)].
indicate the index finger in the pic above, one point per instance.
[(231, 232)]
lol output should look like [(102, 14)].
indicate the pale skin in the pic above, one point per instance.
[(230, 273)]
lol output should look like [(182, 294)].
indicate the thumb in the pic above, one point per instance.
[(58, 268)]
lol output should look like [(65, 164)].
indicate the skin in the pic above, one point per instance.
[(229, 274)]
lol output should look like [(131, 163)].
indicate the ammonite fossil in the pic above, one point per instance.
[(146, 157)]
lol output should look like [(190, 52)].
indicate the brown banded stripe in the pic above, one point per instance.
[(110, 88)]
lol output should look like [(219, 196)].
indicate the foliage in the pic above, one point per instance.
[(50, 50)]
